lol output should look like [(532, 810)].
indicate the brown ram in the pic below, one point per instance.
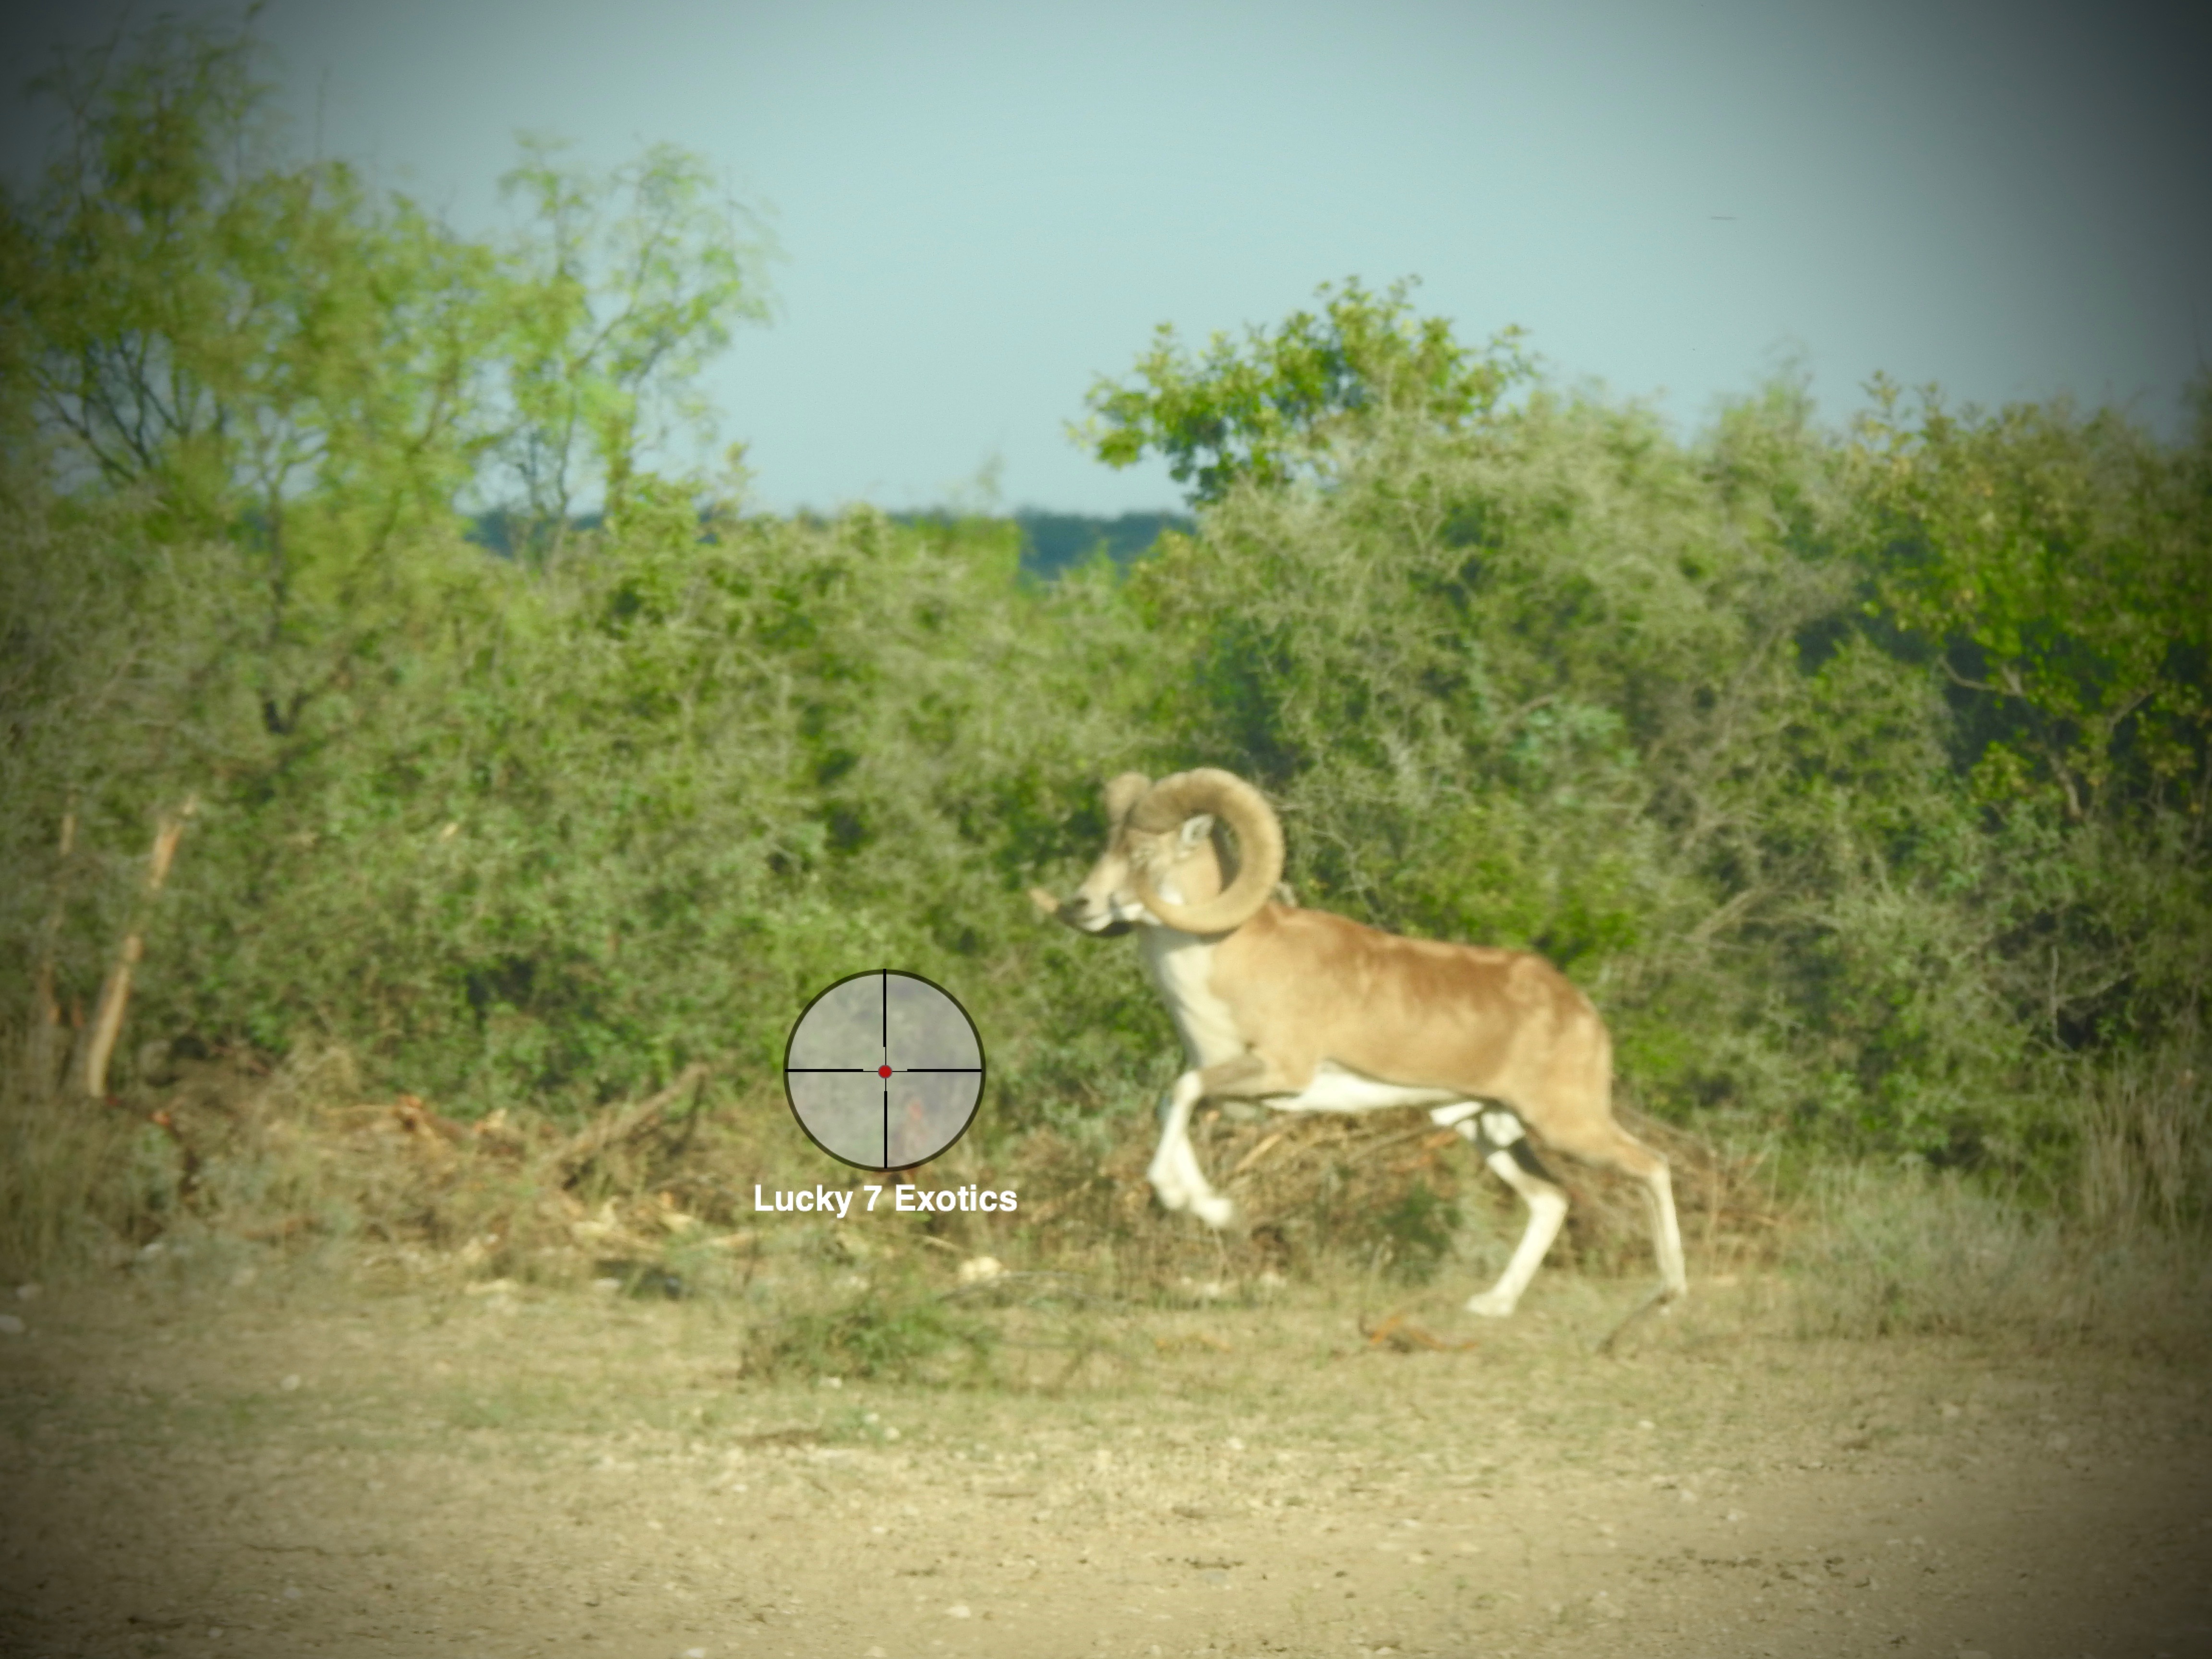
[(1308, 1012)]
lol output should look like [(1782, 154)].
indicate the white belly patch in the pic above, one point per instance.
[(1334, 1088)]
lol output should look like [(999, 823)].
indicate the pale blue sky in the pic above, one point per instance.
[(984, 205)]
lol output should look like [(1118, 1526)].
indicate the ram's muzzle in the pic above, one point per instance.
[(1066, 913)]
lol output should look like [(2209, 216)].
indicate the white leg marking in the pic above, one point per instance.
[(1175, 1175), (1166, 1173), (1673, 1273), (1499, 1126), (1547, 1209)]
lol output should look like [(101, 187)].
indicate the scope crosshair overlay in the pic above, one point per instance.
[(884, 1070)]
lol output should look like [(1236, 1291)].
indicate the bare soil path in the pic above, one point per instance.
[(304, 1469)]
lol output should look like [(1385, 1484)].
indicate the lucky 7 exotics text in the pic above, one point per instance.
[(838, 1200)]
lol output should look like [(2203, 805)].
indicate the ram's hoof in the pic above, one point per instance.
[(1215, 1212)]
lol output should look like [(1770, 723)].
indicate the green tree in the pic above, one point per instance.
[(268, 341), (190, 314), (621, 289), (1273, 406), (255, 351), (2061, 566)]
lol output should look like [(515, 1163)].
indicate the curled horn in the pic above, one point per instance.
[(1173, 800)]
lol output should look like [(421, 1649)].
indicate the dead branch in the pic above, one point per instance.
[(1401, 1336), (115, 994), (419, 1120), (618, 1127)]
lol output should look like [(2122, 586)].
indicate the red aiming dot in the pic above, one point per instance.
[(883, 1070)]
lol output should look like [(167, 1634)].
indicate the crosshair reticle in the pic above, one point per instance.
[(884, 1070)]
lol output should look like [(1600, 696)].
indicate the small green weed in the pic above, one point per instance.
[(894, 1336), (1412, 1236)]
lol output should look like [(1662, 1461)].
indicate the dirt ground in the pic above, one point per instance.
[(294, 1465)]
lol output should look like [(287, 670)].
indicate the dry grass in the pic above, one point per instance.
[(292, 1158), (2146, 1159), (70, 1181), (1880, 1251), (242, 1163), (1891, 1252)]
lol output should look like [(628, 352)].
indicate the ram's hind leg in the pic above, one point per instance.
[(1611, 1147), (1497, 1134)]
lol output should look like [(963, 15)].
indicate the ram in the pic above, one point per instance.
[(1312, 1013)]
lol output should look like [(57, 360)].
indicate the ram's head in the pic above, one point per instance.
[(1168, 860)]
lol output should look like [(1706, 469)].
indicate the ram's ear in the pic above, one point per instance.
[(1194, 830)]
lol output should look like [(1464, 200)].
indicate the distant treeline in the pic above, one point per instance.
[(1050, 542), (1054, 542)]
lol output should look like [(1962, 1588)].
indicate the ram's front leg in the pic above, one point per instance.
[(1175, 1175)]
